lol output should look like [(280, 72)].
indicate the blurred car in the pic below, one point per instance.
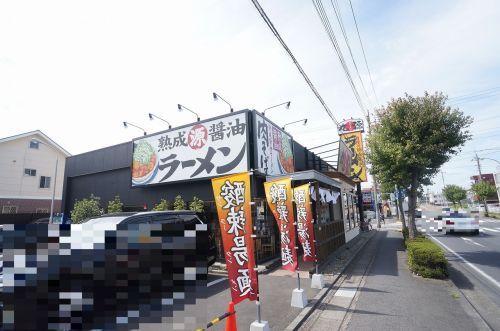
[(459, 222), (56, 219), (114, 221), (445, 210), (418, 213)]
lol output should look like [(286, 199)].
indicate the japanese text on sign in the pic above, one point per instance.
[(305, 227), (206, 149), (279, 199), (232, 196)]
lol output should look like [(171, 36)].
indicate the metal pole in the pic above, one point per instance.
[(53, 193), (298, 279), (375, 186), (257, 302), (480, 180)]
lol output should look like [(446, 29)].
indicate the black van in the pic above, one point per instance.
[(159, 217)]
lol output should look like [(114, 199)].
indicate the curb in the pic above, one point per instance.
[(316, 301)]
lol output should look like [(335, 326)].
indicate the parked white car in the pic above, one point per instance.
[(457, 222)]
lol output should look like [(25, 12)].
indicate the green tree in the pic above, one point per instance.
[(164, 204), (179, 203), (86, 208), (412, 139), (455, 194), (484, 190), (115, 206), (197, 205)]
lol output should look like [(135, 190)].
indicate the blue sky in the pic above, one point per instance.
[(76, 70)]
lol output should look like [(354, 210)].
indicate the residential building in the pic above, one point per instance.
[(490, 178), (27, 168)]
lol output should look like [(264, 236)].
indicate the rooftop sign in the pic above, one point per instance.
[(215, 147)]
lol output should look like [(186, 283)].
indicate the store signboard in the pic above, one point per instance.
[(279, 199), (305, 225), (351, 125), (354, 141), (344, 159), (233, 199), (274, 148), (215, 147)]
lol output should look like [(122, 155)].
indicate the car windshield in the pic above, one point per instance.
[(106, 220)]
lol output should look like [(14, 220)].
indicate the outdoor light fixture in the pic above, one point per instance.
[(217, 97), (180, 107), (126, 124), (287, 106), (151, 116), (304, 120)]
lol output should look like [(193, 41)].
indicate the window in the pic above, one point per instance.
[(34, 144), (30, 172), (44, 182), (9, 210)]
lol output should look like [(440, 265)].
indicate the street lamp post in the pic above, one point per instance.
[(152, 116), (287, 106), (126, 124), (181, 107), (217, 97), (303, 120)]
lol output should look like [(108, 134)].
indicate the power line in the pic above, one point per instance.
[(299, 67), (338, 14), (364, 54), (480, 92), (331, 35)]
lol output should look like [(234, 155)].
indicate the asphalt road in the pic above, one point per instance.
[(474, 263)]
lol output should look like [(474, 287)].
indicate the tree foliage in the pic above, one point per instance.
[(197, 205), (483, 189), (163, 205), (412, 139), (115, 205), (179, 203), (86, 208), (455, 194)]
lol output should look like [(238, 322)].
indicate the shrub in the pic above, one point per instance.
[(86, 208), (179, 203), (196, 205), (163, 205), (426, 258), (115, 206)]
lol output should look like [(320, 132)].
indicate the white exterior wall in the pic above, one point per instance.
[(16, 155)]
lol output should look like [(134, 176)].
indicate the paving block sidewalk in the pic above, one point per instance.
[(378, 292)]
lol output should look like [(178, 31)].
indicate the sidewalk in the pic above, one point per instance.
[(378, 292)]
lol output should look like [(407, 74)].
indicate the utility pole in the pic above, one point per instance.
[(480, 180), (442, 194), (375, 186)]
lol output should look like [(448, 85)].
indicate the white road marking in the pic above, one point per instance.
[(492, 230), (216, 281), (497, 228), (472, 241), (479, 271), (345, 292)]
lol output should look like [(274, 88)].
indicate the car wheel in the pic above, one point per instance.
[(476, 232)]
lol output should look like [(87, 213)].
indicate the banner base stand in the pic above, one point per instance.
[(317, 281), (259, 326), (299, 298)]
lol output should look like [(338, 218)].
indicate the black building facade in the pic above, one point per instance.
[(106, 173)]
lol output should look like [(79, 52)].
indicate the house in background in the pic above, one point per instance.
[(27, 169), (490, 178)]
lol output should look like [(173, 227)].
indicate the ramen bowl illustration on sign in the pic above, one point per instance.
[(144, 163)]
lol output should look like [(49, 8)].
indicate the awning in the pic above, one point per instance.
[(308, 175)]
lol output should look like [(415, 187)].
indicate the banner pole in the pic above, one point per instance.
[(298, 279), (254, 236)]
